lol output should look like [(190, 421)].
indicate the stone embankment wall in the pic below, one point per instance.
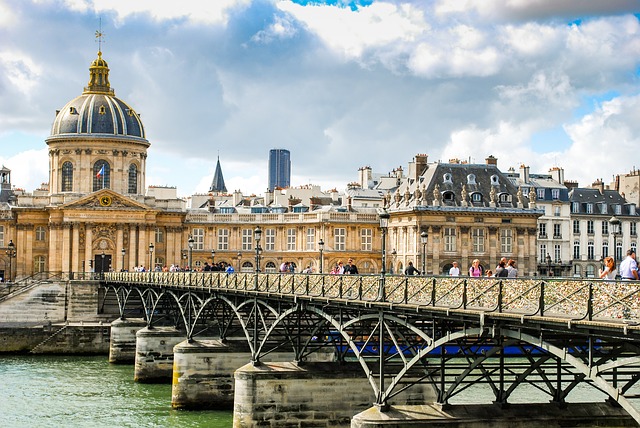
[(54, 317)]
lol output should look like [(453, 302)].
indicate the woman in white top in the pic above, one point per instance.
[(609, 271)]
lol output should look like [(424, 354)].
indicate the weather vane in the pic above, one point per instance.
[(100, 36)]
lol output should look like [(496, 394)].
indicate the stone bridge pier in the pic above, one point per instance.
[(154, 354), (122, 343)]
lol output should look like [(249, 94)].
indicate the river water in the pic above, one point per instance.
[(80, 391), (75, 391)]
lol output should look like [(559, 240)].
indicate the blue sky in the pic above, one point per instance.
[(341, 84)]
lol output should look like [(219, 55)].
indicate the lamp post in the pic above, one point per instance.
[(423, 239), (239, 258), (321, 247), (11, 253), (123, 252), (190, 242), (102, 263), (257, 235), (151, 248), (548, 265), (384, 225), (184, 258), (614, 222), (213, 258)]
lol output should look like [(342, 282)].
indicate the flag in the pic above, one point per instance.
[(101, 172)]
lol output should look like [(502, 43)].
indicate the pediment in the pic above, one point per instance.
[(105, 199)]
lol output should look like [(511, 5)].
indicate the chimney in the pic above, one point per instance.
[(598, 184), (524, 173), (364, 176), (557, 174), (491, 160)]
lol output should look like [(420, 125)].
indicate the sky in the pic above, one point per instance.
[(341, 84)]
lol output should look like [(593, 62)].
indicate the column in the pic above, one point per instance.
[(131, 251), (54, 247), (117, 262), (88, 245), (75, 248), (66, 247)]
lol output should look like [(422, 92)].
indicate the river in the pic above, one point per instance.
[(76, 391)]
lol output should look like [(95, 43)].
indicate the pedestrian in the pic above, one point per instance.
[(340, 267), (351, 268), (410, 270), (629, 266), (501, 270), (230, 269), (455, 270), (284, 267), (475, 270), (609, 271), (512, 272), (489, 273)]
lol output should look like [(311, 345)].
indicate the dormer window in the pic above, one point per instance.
[(448, 197), (494, 180), (102, 110), (589, 208), (446, 178), (618, 209), (476, 197), (504, 197), (555, 194), (72, 110), (471, 179)]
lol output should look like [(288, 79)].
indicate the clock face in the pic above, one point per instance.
[(105, 201)]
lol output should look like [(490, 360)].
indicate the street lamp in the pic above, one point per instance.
[(548, 265), (11, 253), (190, 241), (384, 225), (257, 235), (615, 229), (423, 239), (239, 258), (102, 263), (321, 247), (123, 252), (213, 258), (394, 254), (151, 248)]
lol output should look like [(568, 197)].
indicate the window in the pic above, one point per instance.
[(67, 177), (366, 239), (39, 264), (618, 209), (605, 249), (556, 253), (340, 238), (41, 233), (291, 239), (1, 236), (575, 207), (603, 208), (159, 235), (590, 271), (198, 238), (576, 250), (506, 241), (101, 175), (590, 227), (576, 226), (556, 211), (543, 253), (223, 239), (589, 208), (632, 228), (477, 237), (557, 231), (270, 239), (311, 239), (605, 227), (247, 239), (590, 251), (540, 194), (555, 194), (449, 239), (270, 267), (476, 197), (133, 179), (618, 255), (542, 230)]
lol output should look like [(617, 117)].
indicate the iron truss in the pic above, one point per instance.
[(450, 333)]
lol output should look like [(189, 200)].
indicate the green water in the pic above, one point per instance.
[(60, 391)]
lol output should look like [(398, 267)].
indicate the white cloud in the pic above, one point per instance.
[(29, 169), (20, 70)]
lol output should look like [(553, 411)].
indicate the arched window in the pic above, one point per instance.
[(270, 267), (133, 179), (101, 175), (67, 177), (39, 264)]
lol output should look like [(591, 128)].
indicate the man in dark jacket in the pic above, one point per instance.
[(350, 268), (410, 270)]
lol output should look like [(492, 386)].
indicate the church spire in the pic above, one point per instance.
[(217, 185)]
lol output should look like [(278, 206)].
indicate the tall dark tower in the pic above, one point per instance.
[(279, 168), (217, 184)]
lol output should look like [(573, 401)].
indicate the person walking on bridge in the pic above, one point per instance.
[(410, 270), (629, 266)]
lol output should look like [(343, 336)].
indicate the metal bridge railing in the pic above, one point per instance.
[(552, 297)]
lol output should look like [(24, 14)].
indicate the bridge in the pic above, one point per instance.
[(451, 333)]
